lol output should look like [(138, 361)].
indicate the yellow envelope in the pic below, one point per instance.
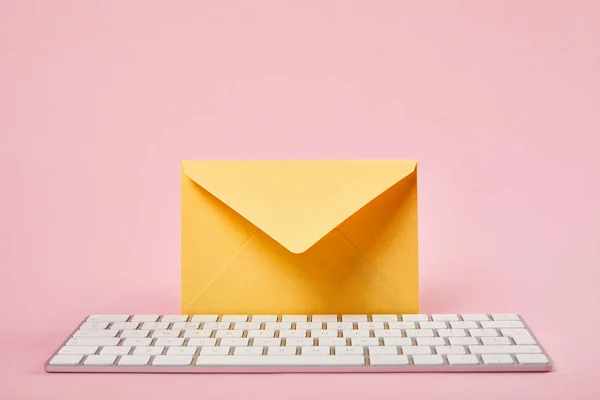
[(299, 237)]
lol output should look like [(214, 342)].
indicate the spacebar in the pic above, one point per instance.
[(281, 360)]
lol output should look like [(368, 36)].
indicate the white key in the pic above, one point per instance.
[(148, 350), (145, 318), (414, 350), (370, 325), (202, 342), (388, 333), (475, 317), (382, 350), (264, 318), (299, 342), (137, 342), (528, 359), (452, 332), (204, 318), (435, 359), (120, 326), (324, 318), (419, 332), (166, 333), (181, 350), (323, 333), (234, 318), (402, 325), (283, 360), (495, 341), (93, 325), (94, 334), (107, 318), (292, 333), (135, 333), (234, 342), (483, 332), (84, 350), (155, 325), (309, 325), (314, 350), (354, 318), (386, 359), (505, 317), (467, 359), (260, 333), (450, 350), (356, 333), (278, 325), (384, 318), (464, 325), (497, 359), (432, 325), (513, 349), (364, 341), (93, 342), (186, 325), (462, 341), (348, 350), (172, 360), (100, 360), (247, 351), (246, 325), (133, 360), (73, 359), (414, 317), (338, 341), (214, 351), (501, 324), (294, 318), (174, 318), (431, 341), (340, 325), (167, 342), (397, 341), (520, 336), (444, 317), (281, 351), (216, 325), (266, 342), (196, 334), (115, 350), (229, 334)]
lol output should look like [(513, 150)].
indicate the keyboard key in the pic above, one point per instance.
[(432, 325), (260, 333), (278, 325), (397, 342), (505, 317), (283, 360), (137, 342), (145, 318), (196, 334), (299, 342), (450, 350), (94, 334), (528, 359), (444, 317), (309, 325), (323, 333), (166, 333), (387, 333), (513, 349), (174, 318), (181, 351), (495, 341), (264, 318), (133, 360), (93, 342), (475, 317), (356, 333), (428, 360), (119, 326), (172, 360), (382, 350), (115, 350), (354, 318), (419, 332), (370, 325), (402, 325), (451, 332), (464, 325), (84, 350), (348, 350), (497, 359), (93, 326), (148, 350), (324, 318), (204, 318), (66, 359), (332, 341), (294, 318), (415, 317), (431, 341), (340, 325), (246, 325), (292, 333), (234, 342), (387, 359), (247, 351), (384, 318), (167, 342), (186, 325), (266, 342), (214, 351), (281, 351), (134, 333), (462, 341), (229, 334), (202, 342), (216, 326), (519, 336), (483, 332), (100, 360), (234, 318), (107, 318), (412, 350), (466, 359), (314, 350), (364, 341), (155, 325), (501, 324)]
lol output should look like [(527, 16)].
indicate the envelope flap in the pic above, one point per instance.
[(297, 202)]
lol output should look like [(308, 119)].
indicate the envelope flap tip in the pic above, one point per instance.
[(297, 202)]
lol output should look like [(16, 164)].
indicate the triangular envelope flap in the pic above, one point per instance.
[(297, 202)]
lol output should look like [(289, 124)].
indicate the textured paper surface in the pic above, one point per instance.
[(307, 237)]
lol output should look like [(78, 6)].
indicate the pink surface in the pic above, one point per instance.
[(100, 100)]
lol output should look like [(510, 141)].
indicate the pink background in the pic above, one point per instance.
[(99, 100)]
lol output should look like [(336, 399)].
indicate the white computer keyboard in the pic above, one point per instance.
[(300, 343)]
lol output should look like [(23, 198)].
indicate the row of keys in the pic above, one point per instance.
[(303, 318)]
